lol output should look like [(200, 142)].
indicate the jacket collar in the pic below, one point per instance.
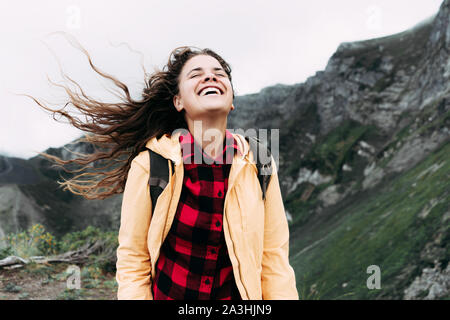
[(169, 147), (191, 148)]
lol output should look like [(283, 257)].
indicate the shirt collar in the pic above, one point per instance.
[(192, 150)]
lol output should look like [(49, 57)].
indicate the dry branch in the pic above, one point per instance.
[(76, 256)]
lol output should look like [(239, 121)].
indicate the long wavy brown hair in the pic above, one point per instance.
[(121, 130)]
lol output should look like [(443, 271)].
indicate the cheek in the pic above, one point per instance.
[(187, 92), (228, 84)]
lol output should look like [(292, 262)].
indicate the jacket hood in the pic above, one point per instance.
[(169, 147)]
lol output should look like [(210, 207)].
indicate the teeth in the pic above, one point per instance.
[(204, 91)]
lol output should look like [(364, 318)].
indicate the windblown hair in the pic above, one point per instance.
[(121, 130)]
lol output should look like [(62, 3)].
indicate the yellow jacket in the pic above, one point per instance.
[(256, 231)]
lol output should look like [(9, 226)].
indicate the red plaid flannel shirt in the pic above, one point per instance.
[(194, 263)]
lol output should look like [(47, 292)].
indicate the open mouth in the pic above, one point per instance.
[(210, 91)]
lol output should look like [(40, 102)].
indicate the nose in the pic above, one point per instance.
[(209, 77)]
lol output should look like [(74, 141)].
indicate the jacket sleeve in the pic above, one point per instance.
[(277, 275), (133, 259)]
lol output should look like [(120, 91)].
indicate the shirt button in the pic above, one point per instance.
[(218, 224), (207, 281), (220, 193), (213, 251)]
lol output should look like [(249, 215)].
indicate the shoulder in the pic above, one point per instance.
[(142, 159)]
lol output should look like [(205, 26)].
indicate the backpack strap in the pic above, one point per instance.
[(159, 177), (264, 170)]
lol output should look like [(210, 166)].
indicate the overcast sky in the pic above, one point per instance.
[(265, 42)]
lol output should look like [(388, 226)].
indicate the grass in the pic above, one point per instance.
[(327, 156), (38, 281), (383, 230)]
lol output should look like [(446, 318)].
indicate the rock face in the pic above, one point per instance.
[(434, 283), (395, 84), (379, 109)]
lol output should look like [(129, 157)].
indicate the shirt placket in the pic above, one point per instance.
[(207, 281), (215, 232), (213, 249)]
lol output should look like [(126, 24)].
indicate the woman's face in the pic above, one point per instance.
[(200, 75)]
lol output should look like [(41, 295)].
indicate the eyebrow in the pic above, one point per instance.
[(199, 68)]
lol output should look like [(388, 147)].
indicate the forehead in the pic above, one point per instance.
[(202, 61)]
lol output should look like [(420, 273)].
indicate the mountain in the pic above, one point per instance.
[(29, 194), (363, 166)]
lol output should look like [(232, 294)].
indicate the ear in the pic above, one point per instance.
[(177, 103)]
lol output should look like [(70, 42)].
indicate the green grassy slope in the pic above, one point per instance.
[(389, 228)]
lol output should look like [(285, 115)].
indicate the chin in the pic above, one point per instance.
[(219, 108), (214, 106)]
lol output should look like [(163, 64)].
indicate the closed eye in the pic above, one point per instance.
[(219, 74)]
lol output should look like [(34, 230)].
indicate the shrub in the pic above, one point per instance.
[(32, 242), (104, 259), (37, 242)]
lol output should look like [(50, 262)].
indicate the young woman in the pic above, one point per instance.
[(210, 234)]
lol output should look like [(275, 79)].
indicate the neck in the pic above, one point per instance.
[(209, 133)]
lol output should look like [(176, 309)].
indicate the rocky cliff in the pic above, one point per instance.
[(364, 165)]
